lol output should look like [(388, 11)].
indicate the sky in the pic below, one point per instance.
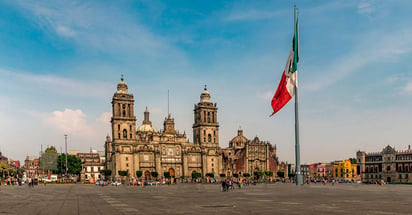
[(60, 62)]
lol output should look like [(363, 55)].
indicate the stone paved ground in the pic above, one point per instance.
[(207, 199)]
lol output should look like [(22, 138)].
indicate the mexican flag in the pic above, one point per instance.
[(286, 88)]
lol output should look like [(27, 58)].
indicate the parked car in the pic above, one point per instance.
[(116, 183)]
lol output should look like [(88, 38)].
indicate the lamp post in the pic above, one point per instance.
[(65, 140)]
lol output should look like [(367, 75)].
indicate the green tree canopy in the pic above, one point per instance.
[(74, 164), (122, 172), (48, 159), (280, 174), (352, 160), (154, 174), (196, 175), (212, 175), (235, 175), (106, 172), (166, 174), (269, 173), (139, 174), (246, 175), (222, 175)]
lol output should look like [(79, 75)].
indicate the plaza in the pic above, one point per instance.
[(207, 199)]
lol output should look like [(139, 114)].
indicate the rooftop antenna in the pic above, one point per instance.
[(168, 112)]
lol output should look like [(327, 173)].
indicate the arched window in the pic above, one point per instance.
[(124, 133), (130, 131), (124, 110), (208, 117), (213, 117), (129, 111), (209, 138)]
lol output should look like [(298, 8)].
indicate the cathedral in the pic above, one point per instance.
[(147, 149)]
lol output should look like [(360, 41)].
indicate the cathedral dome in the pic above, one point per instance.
[(146, 128), (205, 96), (239, 140), (122, 86), (147, 124)]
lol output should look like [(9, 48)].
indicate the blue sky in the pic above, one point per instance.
[(60, 62)]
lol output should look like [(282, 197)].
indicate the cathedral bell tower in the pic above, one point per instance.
[(206, 127), (123, 119)]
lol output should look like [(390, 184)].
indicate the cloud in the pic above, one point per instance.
[(65, 31), (70, 121), (385, 47), (105, 118), (59, 85), (251, 15), (408, 88), (267, 96), (98, 27), (366, 7)]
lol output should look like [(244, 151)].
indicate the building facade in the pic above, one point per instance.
[(248, 156), (32, 167), (344, 170), (147, 149), (388, 165), (91, 166)]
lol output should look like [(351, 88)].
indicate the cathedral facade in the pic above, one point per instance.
[(146, 149)]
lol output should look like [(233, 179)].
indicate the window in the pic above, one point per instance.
[(129, 110), (208, 117), (388, 168), (127, 158), (124, 133), (213, 116), (130, 132), (400, 176), (124, 110), (127, 165), (406, 175), (212, 159), (209, 138)]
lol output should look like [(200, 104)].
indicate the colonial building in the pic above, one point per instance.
[(388, 165), (248, 156), (91, 166), (31, 166), (344, 170), (146, 149)]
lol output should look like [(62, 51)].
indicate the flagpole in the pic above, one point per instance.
[(299, 180)]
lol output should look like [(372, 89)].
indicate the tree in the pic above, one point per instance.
[(122, 172), (106, 172), (212, 175), (139, 174), (154, 174), (235, 175), (352, 160), (291, 175), (74, 164), (246, 175), (166, 174), (222, 175), (280, 174), (196, 175), (269, 173), (48, 160)]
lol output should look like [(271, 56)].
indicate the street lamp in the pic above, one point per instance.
[(65, 140)]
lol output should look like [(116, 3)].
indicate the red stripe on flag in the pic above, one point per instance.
[(281, 96)]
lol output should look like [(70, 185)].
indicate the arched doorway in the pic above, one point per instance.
[(172, 172), (147, 175)]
